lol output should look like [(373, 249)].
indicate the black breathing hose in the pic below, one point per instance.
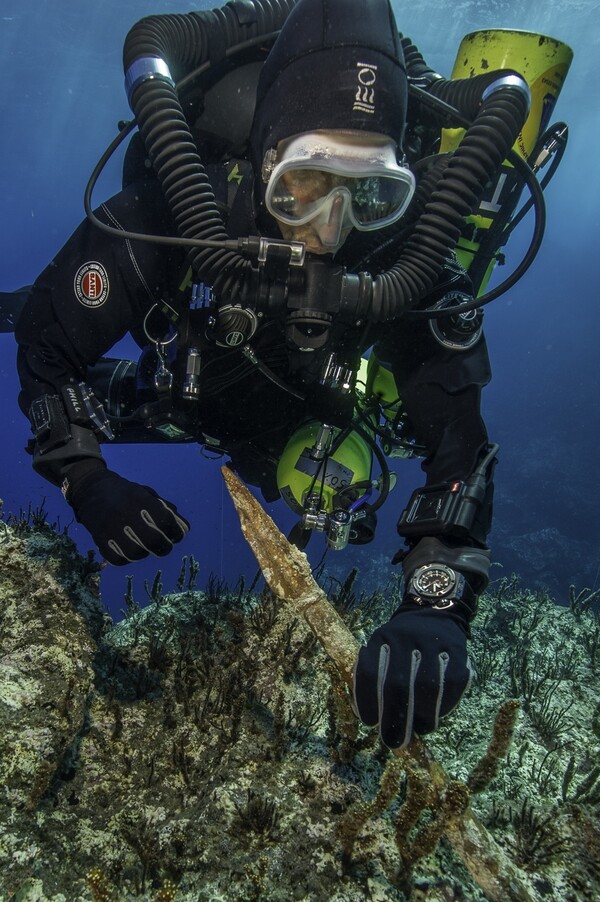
[(185, 42), (495, 127)]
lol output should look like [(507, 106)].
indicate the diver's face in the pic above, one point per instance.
[(326, 233), (322, 184)]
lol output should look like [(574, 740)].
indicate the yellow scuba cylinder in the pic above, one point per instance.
[(544, 63)]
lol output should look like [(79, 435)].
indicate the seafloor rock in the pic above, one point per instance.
[(45, 670), (203, 749)]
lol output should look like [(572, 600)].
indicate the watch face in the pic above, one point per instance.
[(434, 580)]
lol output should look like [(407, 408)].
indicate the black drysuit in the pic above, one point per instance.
[(63, 333)]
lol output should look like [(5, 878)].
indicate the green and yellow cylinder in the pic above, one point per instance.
[(543, 62), (299, 473)]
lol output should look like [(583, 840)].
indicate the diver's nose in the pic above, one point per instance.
[(329, 226)]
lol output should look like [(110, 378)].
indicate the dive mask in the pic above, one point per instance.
[(352, 179)]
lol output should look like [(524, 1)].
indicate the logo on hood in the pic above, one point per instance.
[(365, 91)]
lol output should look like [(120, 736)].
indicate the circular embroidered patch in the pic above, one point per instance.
[(91, 284)]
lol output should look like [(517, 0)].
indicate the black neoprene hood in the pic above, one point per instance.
[(336, 64)]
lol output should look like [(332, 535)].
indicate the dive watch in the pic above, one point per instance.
[(436, 586)]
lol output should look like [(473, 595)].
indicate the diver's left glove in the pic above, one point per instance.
[(127, 521)]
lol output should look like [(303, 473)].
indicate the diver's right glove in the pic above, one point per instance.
[(413, 670), (127, 521)]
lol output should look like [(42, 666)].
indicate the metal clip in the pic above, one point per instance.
[(163, 377)]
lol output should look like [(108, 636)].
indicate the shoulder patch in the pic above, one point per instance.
[(91, 284)]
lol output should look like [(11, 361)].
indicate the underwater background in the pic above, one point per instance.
[(61, 100), (203, 746)]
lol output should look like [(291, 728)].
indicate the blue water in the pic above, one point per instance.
[(62, 97)]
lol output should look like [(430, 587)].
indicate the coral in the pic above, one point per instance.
[(582, 601), (167, 892), (504, 726), (536, 841), (353, 822), (99, 886), (452, 805), (258, 815)]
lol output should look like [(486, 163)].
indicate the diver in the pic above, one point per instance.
[(284, 221)]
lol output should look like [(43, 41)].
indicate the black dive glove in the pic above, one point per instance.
[(413, 671), (127, 521)]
